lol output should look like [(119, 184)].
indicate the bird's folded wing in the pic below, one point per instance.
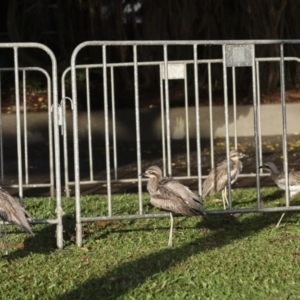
[(294, 178), (3, 215), (12, 211), (169, 200)]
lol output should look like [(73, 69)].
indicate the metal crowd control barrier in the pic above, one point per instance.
[(235, 54), (22, 154), (24, 125)]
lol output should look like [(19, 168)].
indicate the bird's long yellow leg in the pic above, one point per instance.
[(224, 197), (171, 230), (277, 225)]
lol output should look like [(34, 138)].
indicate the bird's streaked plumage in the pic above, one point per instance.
[(11, 211), (279, 179), (217, 178), (170, 195)]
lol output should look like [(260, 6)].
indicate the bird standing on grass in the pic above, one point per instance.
[(279, 179), (11, 211), (170, 195), (217, 179)]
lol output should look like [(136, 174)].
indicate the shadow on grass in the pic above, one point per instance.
[(275, 196), (44, 240), (130, 275), (278, 194)]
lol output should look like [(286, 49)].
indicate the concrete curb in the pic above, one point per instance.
[(150, 123)]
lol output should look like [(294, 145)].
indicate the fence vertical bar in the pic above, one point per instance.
[(137, 126), (106, 122), (256, 126), (50, 139), (59, 210), (25, 126), (211, 127), (197, 110), (65, 135), (284, 127), (234, 106), (166, 64), (18, 124), (88, 103), (114, 127), (226, 124), (187, 132), (163, 123), (76, 153), (258, 115)]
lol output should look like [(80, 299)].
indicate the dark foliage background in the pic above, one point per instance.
[(63, 24)]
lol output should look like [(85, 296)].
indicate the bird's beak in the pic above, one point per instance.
[(243, 155), (261, 167)]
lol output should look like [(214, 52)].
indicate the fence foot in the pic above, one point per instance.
[(79, 234), (59, 236)]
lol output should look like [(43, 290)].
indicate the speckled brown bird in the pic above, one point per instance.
[(170, 195), (217, 178), (11, 211), (279, 179)]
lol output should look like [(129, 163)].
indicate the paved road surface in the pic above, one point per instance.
[(151, 154)]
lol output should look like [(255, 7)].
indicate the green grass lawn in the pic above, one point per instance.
[(219, 257)]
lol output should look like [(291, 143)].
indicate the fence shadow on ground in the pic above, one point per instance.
[(44, 242), (117, 282)]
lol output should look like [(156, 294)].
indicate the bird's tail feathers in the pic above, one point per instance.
[(22, 222), (26, 228), (27, 215)]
